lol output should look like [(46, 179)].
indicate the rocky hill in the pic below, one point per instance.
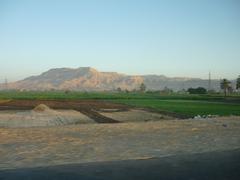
[(89, 79)]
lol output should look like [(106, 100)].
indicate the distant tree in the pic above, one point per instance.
[(238, 83), (143, 87), (199, 90), (67, 91), (119, 89), (182, 91), (211, 91), (167, 90), (126, 91), (151, 92), (230, 89), (134, 90), (225, 84)]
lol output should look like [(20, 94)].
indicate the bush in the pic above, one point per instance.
[(199, 90)]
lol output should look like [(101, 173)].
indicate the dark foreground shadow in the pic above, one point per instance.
[(212, 165)]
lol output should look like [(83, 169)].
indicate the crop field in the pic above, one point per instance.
[(186, 105), (58, 95)]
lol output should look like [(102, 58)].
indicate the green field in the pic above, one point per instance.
[(189, 105), (186, 107)]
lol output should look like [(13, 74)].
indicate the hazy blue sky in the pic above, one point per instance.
[(171, 37)]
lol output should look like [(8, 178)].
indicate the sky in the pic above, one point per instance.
[(177, 38)]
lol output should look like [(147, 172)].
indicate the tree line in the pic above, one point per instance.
[(225, 85)]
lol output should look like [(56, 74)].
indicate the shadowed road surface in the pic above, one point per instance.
[(210, 165)]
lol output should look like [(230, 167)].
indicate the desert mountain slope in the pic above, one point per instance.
[(89, 79)]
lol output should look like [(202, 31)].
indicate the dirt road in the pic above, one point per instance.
[(34, 147)]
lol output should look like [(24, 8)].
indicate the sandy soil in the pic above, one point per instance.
[(62, 114), (135, 115), (86, 107), (45, 146), (31, 118), (49, 117), (32, 138)]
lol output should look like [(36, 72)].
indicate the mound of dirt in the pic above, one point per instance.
[(44, 118), (41, 108)]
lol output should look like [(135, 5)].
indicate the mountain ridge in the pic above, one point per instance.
[(90, 79)]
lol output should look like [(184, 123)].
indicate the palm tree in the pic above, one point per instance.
[(238, 83), (225, 85)]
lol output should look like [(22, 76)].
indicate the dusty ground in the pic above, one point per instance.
[(135, 115), (147, 136), (50, 117), (86, 107), (24, 113), (41, 116), (30, 118), (45, 146)]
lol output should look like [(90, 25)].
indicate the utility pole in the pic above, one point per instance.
[(209, 81), (6, 83)]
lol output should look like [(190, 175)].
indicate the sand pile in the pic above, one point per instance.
[(40, 116), (41, 108)]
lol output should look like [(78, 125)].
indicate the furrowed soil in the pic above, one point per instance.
[(64, 104)]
